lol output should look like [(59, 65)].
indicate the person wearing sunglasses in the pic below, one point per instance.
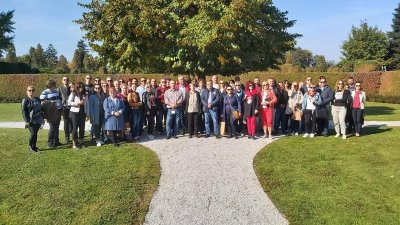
[(230, 104), (357, 103), (162, 110), (51, 106), (32, 114), (311, 101), (150, 109), (77, 100), (88, 85), (326, 94), (251, 107), (340, 103), (304, 88), (64, 92), (95, 112)]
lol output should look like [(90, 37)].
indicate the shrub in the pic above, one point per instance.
[(14, 68)]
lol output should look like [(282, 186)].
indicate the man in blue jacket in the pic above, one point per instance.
[(210, 100), (327, 96)]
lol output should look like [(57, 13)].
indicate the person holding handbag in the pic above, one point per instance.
[(294, 107), (231, 112), (113, 113), (32, 114), (78, 102), (251, 106), (267, 108)]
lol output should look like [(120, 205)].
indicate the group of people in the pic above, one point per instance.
[(125, 109)]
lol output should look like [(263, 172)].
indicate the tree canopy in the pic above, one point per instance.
[(6, 28), (365, 43), (394, 41), (193, 37)]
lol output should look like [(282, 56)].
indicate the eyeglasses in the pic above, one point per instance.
[(65, 79), (322, 82), (96, 88), (357, 85), (31, 90), (264, 85), (250, 85), (89, 78), (229, 89), (109, 80), (309, 79), (142, 81), (97, 80), (340, 83)]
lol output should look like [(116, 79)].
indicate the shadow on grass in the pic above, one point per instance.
[(372, 130), (379, 110)]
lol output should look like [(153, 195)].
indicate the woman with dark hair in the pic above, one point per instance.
[(113, 113), (77, 100), (193, 110), (251, 107), (96, 112), (150, 109), (51, 105), (340, 103), (268, 101), (357, 103), (32, 114), (135, 105), (123, 96)]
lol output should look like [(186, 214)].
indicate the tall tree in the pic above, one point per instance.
[(79, 56), (25, 59), (320, 63), (40, 57), (50, 56), (365, 43), (11, 55), (32, 56), (302, 58), (394, 41), (194, 37), (62, 66), (6, 28)]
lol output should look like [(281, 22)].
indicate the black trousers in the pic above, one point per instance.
[(67, 123), (309, 121), (78, 122), (97, 128), (53, 135), (193, 123), (161, 118), (33, 129), (150, 121), (349, 119), (113, 136)]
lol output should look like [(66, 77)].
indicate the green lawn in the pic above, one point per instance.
[(334, 181), (382, 112), (375, 112), (104, 185)]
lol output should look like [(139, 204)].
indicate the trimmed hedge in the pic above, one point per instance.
[(14, 68), (12, 87)]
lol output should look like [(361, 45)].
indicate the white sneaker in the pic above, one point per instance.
[(344, 136), (337, 135), (306, 135), (297, 133), (98, 143), (311, 135)]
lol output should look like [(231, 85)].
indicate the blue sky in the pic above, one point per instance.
[(324, 24)]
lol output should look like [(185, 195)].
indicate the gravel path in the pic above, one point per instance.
[(209, 181)]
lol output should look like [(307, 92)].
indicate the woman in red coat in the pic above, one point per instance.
[(251, 107)]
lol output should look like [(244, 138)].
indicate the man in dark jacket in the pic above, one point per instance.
[(280, 110), (327, 96), (64, 92), (211, 99)]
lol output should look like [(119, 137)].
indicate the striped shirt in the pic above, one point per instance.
[(51, 95)]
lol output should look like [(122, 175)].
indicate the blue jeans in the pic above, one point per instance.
[(280, 119), (173, 121), (214, 117), (136, 115)]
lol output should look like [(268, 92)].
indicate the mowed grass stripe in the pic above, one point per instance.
[(334, 181), (104, 185)]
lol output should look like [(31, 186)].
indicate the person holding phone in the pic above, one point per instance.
[(77, 102), (32, 114)]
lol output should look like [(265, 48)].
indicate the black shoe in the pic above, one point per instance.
[(218, 137), (325, 134), (116, 144), (197, 136), (254, 137), (168, 137), (236, 136), (58, 144), (248, 136), (190, 136), (175, 136), (207, 136), (33, 149), (230, 136)]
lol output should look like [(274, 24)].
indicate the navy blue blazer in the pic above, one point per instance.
[(215, 99)]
